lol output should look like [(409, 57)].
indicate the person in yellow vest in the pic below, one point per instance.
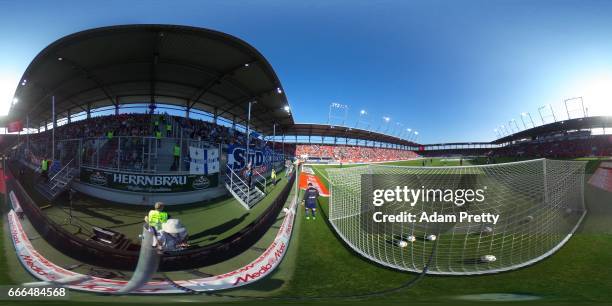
[(273, 176), (168, 130), (109, 134), (177, 154), (157, 217), (158, 136), (44, 168)]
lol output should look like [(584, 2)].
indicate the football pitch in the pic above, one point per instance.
[(321, 269), (575, 273)]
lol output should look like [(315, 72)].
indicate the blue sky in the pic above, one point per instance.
[(453, 70)]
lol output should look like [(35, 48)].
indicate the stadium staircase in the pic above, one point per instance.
[(246, 195), (59, 181)]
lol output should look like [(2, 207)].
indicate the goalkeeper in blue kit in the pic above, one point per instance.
[(310, 201)]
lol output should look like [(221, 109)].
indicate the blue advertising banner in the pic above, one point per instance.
[(262, 160)]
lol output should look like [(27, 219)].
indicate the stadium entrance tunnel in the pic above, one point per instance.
[(481, 219)]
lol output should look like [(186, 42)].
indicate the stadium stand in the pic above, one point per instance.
[(134, 128), (559, 147), (351, 154)]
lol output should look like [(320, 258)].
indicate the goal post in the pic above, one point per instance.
[(519, 213)]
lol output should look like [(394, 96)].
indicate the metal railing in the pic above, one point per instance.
[(260, 180), (64, 170), (235, 181)]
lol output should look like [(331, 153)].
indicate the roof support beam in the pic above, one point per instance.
[(217, 80), (90, 76)]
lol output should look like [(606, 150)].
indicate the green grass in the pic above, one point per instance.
[(577, 273)]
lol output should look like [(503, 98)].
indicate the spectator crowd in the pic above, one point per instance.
[(352, 154)]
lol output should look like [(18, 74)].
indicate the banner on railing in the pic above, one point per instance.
[(203, 160), (148, 182), (262, 160)]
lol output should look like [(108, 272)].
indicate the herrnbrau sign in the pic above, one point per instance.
[(148, 182)]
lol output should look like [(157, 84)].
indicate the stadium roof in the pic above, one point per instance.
[(187, 66), (560, 126), (326, 130)]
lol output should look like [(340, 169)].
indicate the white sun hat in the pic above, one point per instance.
[(173, 226)]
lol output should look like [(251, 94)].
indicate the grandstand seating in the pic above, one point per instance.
[(600, 145), (129, 153), (352, 154), (95, 132)]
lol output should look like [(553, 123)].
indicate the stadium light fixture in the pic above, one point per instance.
[(279, 90), (516, 125), (362, 113), (337, 111), (523, 121), (497, 134), (387, 120), (15, 100), (286, 108), (60, 58), (399, 126)]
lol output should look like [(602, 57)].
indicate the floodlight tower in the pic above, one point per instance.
[(543, 107), (515, 125), (399, 129), (385, 120), (510, 127), (505, 130), (528, 115), (363, 113), (341, 109), (577, 99)]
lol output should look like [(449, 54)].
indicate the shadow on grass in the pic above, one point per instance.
[(219, 229)]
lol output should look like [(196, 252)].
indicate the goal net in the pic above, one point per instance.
[(538, 205)]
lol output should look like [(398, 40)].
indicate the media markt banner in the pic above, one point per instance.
[(148, 182)]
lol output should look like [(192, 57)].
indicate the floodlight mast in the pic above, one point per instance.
[(362, 113), (530, 118), (581, 106), (385, 120), (510, 126), (399, 130), (541, 116), (342, 107), (505, 129), (515, 125)]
